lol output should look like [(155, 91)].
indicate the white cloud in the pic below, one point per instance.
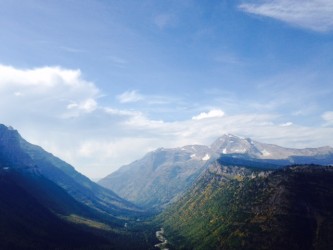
[(315, 15), (88, 105), (47, 88), (129, 96), (287, 124), (214, 113), (45, 76), (18, 94), (328, 117)]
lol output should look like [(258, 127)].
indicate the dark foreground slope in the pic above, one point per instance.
[(46, 204), (33, 219), (241, 208), (27, 224)]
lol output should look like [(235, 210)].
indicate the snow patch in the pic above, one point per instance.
[(193, 156), (206, 157), (224, 151), (265, 153), (240, 150)]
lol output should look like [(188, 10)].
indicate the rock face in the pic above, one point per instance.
[(161, 176), (232, 207)]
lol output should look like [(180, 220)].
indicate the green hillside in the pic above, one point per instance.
[(239, 208)]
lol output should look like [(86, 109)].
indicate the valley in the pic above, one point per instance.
[(229, 195)]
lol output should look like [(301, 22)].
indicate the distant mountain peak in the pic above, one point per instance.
[(232, 136), (7, 129), (231, 144), (10, 128), (229, 138)]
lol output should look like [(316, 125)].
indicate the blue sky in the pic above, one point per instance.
[(100, 83)]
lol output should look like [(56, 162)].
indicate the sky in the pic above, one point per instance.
[(99, 83)]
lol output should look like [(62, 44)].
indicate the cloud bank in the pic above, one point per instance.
[(55, 91), (61, 111)]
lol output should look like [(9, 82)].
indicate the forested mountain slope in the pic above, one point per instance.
[(234, 207)]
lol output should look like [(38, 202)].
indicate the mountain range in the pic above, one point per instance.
[(235, 194), (162, 176)]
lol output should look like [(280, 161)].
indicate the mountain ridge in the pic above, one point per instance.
[(161, 176), (25, 156), (226, 145)]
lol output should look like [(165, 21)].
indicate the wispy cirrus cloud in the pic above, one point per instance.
[(286, 124), (130, 96), (328, 118), (87, 105), (120, 112), (316, 15), (117, 60)]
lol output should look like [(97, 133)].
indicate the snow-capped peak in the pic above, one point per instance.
[(232, 144)]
